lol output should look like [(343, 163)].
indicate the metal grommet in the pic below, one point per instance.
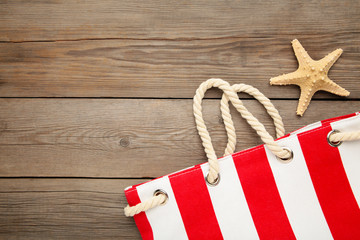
[(333, 144), (212, 184), (288, 159), (160, 191)]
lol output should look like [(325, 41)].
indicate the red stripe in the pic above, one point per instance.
[(195, 205), (140, 219), (184, 171), (262, 195), (331, 184), (330, 120)]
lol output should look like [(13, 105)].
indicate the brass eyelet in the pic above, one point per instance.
[(216, 182), (333, 144), (288, 159), (160, 191)]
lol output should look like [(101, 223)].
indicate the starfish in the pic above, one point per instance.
[(311, 76)]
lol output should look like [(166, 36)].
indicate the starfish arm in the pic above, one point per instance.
[(300, 53), (304, 100), (333, 88), (330, 59), (286, 79)]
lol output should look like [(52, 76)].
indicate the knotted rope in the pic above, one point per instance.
[(230, 94)]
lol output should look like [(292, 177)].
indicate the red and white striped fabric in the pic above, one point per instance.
[(314, 196)]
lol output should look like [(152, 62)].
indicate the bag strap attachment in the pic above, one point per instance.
[(231, 95), (335, 138)]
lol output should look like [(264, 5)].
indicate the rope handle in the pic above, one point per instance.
[(230, 94), (229, 124)]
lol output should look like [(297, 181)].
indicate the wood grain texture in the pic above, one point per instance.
[(159, 51), (65, 209), (166, 69), (163, 19), (126, 137)]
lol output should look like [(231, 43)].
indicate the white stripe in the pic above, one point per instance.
[(298, 194), (165, 220), (350, 153), (230, 206)]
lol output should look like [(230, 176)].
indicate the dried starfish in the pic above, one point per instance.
[(311, 76)]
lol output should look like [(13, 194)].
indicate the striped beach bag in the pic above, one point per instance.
[(304, 185)]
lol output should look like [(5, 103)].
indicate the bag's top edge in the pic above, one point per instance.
[(307, 128)]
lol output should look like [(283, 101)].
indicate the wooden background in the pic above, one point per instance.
[(96, 96)]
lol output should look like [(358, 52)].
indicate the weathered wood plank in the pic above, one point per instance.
[(65, 209), (163, 19), (163, 69), (124, 137)]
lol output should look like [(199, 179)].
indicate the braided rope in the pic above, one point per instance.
[(144, 206), (344, 136), (239, 106), (229, 125), (230, 94)]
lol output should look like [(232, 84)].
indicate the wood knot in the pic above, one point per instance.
[(125, 142)]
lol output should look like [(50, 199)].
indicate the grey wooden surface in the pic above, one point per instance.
[(96, 96)]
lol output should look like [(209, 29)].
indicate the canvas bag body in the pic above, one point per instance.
[(314, 196)]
